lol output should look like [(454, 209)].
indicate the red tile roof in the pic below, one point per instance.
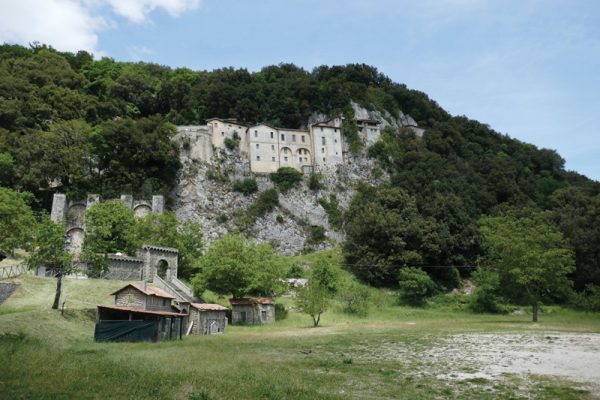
[(257, 300), (140, 311), (149, 291), (208, 307)]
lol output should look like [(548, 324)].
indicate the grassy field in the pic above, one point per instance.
[(385, 356)]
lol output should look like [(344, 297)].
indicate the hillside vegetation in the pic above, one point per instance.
[(73, 124)]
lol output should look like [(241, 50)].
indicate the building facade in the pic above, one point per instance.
[(268, 148)]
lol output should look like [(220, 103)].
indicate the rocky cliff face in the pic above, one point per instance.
[(205, 195)]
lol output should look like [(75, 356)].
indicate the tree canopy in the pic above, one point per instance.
[(239, 267), (530, 256)]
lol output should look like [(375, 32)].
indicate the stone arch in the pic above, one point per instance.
[(286, 156), (142, 210), (76, 237), (303, 156), (162, 267), (75, 214), (157, 257)]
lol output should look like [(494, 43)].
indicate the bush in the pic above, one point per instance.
[(266, 201), (317, 234), (331, 207), (286, 178), (414, 286), (231, 144), (355, 299), (279, 218), (314, 181), (280, 312), (246, 186), (589, 299), (486, 298)]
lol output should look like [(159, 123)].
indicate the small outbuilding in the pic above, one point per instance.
[(207, 319), (140, 313), (252, 311)]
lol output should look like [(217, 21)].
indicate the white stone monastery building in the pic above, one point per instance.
[(268, 148)]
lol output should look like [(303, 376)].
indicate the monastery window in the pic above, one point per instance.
[(293, 138), (322, 149), (272, 158), (255, 133), (222, 133), (273, 147), (303, 138), (285, 159), (335, 140), (257, 158), (323, 140), (271, 135), (282, 136), (321, 129), (300, 159), (257, 145), (335, 129), (323, 159)]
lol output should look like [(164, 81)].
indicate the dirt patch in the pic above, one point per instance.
[(575, 357), (6, 289)]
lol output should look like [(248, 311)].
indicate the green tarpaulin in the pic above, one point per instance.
[(126, 331)]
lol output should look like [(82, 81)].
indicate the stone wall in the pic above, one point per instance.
[(254, 313), (130, 297)]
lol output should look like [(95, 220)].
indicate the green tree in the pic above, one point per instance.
[(531, 257), (239, 267), (7, 169), (110, 228), (16, 221), (414, 286), (386, 232), (50, 249), (313, 300)]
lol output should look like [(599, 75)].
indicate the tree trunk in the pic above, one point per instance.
[(59, 290), (534, 312)]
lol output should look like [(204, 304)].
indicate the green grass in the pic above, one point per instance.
[(48, 356)]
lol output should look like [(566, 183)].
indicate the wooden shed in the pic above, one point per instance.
[(252, 311), (207, 319), (140, 313)]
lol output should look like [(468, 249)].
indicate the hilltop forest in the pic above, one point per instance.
[(74, 124)]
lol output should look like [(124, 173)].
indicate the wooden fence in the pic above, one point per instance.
[(12, 271)]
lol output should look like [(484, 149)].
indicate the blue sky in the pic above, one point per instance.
[(528, 68)]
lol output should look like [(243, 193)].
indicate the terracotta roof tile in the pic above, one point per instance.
[(257, 300), (149, 291), (208, 307)]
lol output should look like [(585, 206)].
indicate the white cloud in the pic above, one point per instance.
[(71, 25), (64, 24), (138, 10)]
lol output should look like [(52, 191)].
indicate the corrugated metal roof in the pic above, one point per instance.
[(149, 291), (140, 311), (208, 307)]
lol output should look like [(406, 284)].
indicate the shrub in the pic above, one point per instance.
[(296, 271), (246, 186), (266, 201), (317, 234), (315, 181), (222, 218), (414, 286), (230, 144), (281, 312), (279, 218), (485, 297), (286, 178), (331, 207), (355, 299), (589, 299)]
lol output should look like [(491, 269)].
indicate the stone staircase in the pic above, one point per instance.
[(177, 289)]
